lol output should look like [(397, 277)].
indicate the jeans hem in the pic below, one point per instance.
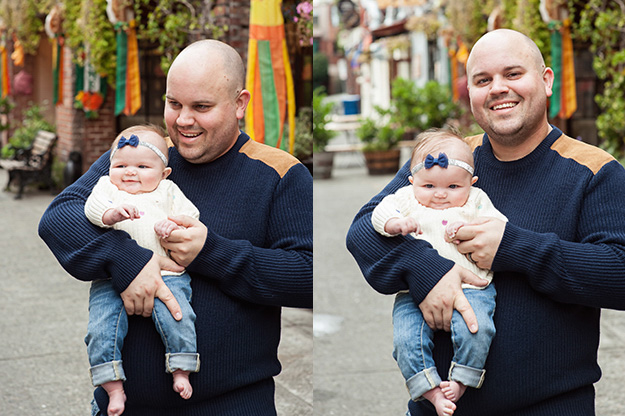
[(469, 376), (423, 382), (110, 371), (185, 361)]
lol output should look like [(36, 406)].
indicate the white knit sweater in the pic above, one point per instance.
[(433, 222), (166, 200)]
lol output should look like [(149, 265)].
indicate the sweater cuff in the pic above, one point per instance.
[(421, 283), (127, 265), (514, 249)]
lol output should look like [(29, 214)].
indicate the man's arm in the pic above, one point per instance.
[(278, 274), (393, 264), (88, 252)]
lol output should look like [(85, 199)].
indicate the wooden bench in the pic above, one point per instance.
[(33, 164)]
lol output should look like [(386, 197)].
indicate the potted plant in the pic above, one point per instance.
[(321, 109), (380, 146)]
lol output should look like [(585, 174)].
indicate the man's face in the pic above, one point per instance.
[(202, 111), (508, 89)]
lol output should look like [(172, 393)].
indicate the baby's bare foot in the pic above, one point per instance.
[(444, 406), (117, 397), (453, 390), (182, 384)]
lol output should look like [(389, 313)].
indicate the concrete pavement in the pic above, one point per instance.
[(43, 361), (354, 372)]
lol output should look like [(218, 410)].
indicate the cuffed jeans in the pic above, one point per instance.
[(413, 342), (108, 326)]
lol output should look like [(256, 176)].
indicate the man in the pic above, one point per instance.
[(559, 259), (249, 254)]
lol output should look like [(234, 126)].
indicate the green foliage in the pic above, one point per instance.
[(173, 24), (376, 138), (24, 19), (321, 109), (320, 70), (303, 146), (32, 122), (418, 109), (602, 24), (86, 23)]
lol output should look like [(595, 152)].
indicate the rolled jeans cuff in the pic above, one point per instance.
[(110, 371), (185, 361), (469, 376), (423, 382)]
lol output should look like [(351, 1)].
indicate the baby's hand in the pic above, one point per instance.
[(120, 213), (403, 226), (451, 230), (164, 228)]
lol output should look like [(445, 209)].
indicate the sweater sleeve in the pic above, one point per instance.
[(85, 251), (281, 272), (392, 206), (99, 201), (589, 271), (394, 264), (181, 204)]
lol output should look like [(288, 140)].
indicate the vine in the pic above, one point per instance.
[(602, 24), (23, 18)]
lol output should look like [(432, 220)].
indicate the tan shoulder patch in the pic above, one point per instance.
[(583, 153), (474, 141), (277, 159)]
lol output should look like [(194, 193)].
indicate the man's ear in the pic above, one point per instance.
[(166, 172), (242, 101)]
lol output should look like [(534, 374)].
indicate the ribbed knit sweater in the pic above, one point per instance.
[(257, 204), (561, 259)]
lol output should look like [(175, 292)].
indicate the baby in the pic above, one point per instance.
[(137, 198), (439, 201)]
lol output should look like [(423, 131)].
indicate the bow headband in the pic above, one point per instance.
[(443, 161), (134, 142)]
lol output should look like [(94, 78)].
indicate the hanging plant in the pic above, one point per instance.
[(173, 24)]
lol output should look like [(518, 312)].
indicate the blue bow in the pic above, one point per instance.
[(441, 161), (133, 141)]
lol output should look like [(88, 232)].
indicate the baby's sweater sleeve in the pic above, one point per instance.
[(99, 201), (181, 204), (392, 206)]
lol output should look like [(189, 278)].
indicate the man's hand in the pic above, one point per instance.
[(164, 227), (185, 243), (480, 240), (139, 296), (403, 226), (438, 306)]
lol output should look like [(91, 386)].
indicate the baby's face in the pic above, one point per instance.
[(137, 169), (441, 188)]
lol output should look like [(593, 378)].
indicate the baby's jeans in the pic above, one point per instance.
[(108, 326), (413, 343)]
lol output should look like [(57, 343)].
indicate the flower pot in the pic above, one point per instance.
[(322, 165), (382, 162)]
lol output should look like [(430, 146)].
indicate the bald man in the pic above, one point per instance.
[(249, 255), (559, 259)]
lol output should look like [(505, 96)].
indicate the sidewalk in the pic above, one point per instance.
[(354, 372), (43, 360)]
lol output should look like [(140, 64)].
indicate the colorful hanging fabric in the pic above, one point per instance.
[(556, 66), (128, 79), (269, 78), (5, 85), (91, 90), (57, 69), (568, 102)]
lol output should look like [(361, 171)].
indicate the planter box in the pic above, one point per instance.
[(383, 162)]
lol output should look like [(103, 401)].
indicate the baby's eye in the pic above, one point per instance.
[(429, 186), (453, 186)]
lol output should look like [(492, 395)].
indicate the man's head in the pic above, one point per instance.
[(508, 88), (442, 170), (205, 99), (139, 159)]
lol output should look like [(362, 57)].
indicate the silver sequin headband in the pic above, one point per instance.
[(134, 142)]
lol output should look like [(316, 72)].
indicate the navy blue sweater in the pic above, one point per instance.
[(561, 259), (257, 204)]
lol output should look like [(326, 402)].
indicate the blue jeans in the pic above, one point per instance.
[(108, 326), (413, 342)]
